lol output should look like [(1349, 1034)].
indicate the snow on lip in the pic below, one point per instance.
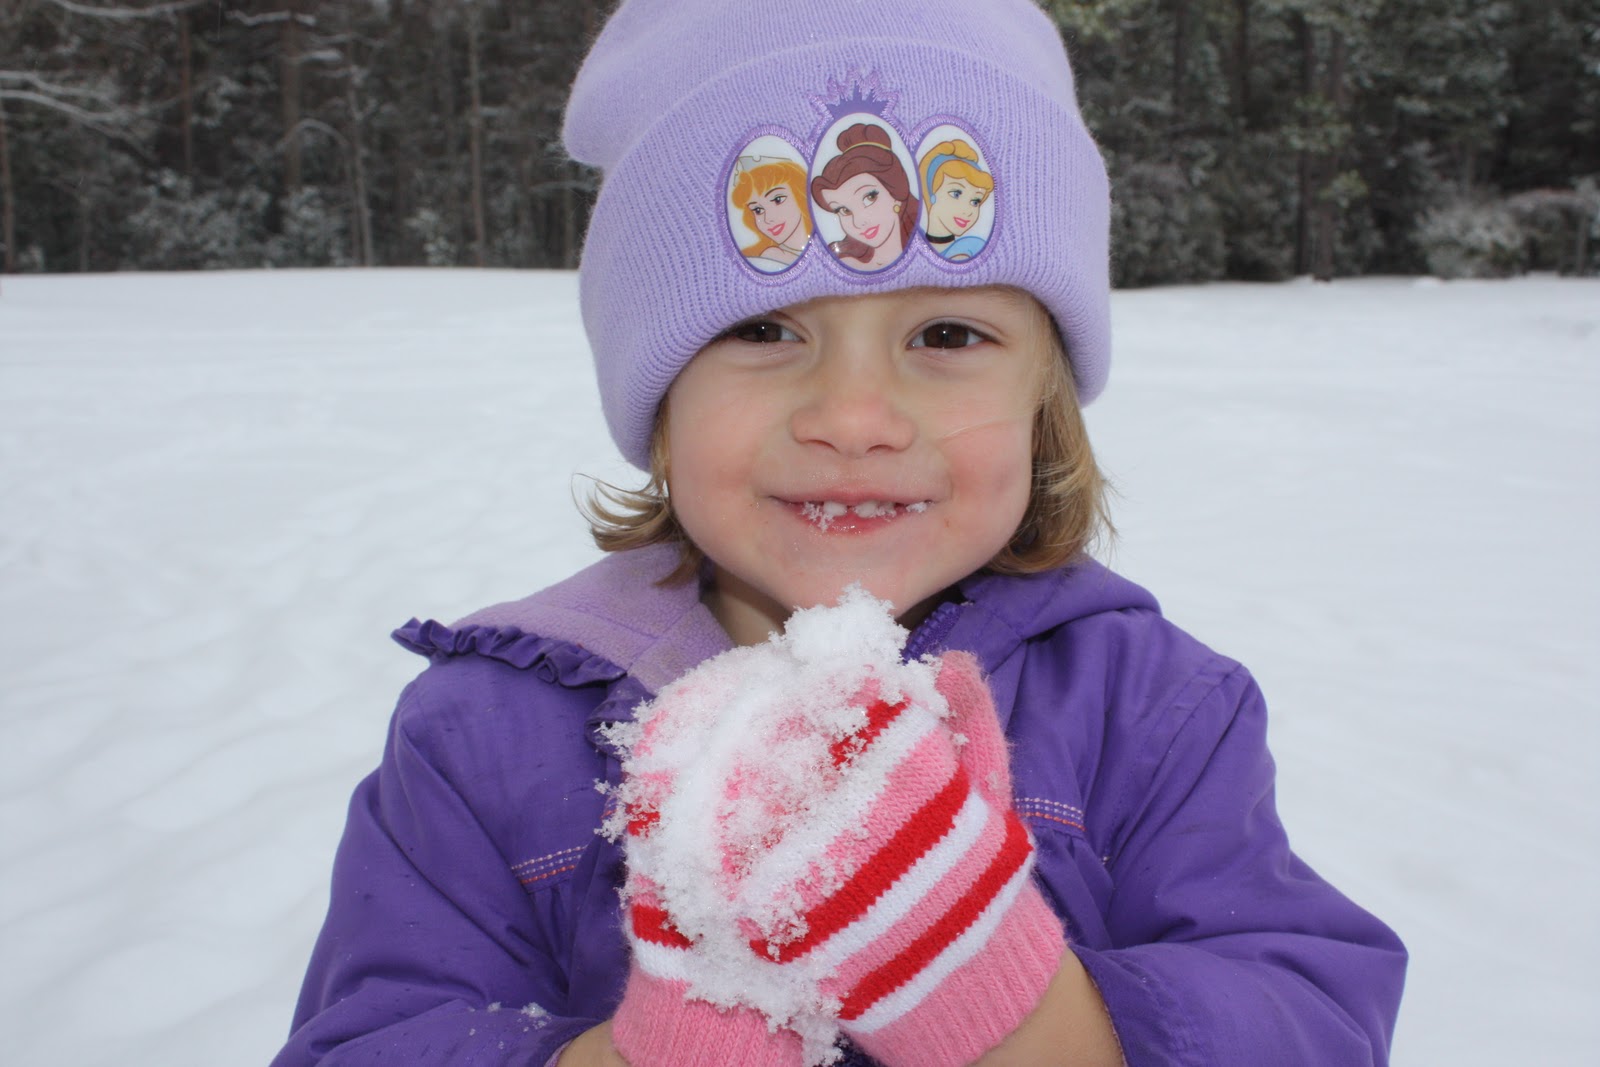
[(853, 512)]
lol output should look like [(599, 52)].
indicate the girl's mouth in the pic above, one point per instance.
[(778, 228), (963, 223), (870, 232), (868, 514)]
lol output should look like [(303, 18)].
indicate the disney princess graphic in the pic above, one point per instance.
[(956, 186), (866, 188), (768, 192)]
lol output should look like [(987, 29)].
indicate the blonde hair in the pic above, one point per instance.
[(964, 167), (1067, 508), (756, 181)]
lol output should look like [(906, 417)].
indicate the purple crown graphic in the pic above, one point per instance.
[(855, 94)]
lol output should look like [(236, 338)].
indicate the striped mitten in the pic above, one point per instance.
[(938, 942), (795, 872)]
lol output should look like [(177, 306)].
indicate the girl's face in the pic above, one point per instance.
[(884, 439), (865, 208), (954, 208), (777, 213)]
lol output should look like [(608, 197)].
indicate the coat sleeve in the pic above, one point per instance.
[(1227, 948), (431, 952)]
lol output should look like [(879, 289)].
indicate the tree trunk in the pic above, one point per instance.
[(571, 234), (445, 82), (1180, 57), (1302, 223), (84, 215), (1580, 257), (289, 99), (8, 214), (523, 246), (1327, 210), (475, 133), (358, 171), (1241, 63), (187, 94)]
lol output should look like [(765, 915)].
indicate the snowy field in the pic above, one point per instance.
[(220, 492)]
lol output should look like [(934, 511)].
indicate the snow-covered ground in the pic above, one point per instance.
[(219, 492)]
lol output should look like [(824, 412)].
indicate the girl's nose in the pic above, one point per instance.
[(853, 409)]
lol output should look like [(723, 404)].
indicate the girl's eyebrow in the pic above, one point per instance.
[(1015, 298)]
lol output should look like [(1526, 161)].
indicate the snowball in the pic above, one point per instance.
[(738, 765)]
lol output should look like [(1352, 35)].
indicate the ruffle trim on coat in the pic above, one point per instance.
[(553, 660)]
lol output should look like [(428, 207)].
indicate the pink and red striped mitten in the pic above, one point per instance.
[(891, 900)]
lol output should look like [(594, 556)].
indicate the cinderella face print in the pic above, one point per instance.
[(955, 207), (959, 188)]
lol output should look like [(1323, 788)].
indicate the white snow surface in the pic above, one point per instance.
[(221, 491)]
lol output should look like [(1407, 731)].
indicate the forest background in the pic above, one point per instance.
[(1247, 139)]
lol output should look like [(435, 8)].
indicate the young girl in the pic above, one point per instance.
[(1122, 890)]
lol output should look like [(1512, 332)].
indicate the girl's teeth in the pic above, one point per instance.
[(823, 512), (867, 509)]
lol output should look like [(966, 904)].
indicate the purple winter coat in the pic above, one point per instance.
[(475, 919)]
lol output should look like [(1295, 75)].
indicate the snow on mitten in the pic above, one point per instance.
[(658, 1022)]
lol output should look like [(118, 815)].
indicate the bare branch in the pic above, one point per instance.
[(320, 127), (53, 88), (124, 14), (106, 122), (273, 18)]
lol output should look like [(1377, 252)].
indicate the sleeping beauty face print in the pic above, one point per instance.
[(766, 204)]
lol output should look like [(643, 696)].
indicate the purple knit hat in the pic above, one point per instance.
[(760, 154)]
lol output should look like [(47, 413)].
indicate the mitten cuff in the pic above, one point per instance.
[(657, 1025), (968, 1000)]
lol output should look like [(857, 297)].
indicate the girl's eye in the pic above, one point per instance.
[(758, 211), (976, 201), (947, 335), (780, 198), (841, 211), (762, 332), (870, 197)]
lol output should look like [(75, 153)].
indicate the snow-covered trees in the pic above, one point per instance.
[(1246, 138), (1263, 138), (171, 133)]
